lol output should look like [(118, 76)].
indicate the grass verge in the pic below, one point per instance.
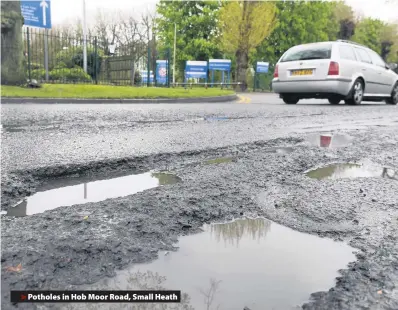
[(108, 92)]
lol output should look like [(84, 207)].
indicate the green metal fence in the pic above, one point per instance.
[(58, 58)]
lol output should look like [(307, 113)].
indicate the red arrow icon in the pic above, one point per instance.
[(23, 297)]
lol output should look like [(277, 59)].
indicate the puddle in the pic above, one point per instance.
[(219, 160), (338, 140), (252, 263), (91, 192), (343, 171)]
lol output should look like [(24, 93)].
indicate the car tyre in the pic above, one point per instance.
[(394, 96), (356, 93), (334, 100), (290, 100)]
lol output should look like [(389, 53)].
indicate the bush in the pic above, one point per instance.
[(137, 78), (75, 74), (37, 74), (35, 66), (74, 56), (60, 65)]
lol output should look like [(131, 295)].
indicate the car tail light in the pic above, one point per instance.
[(276, 74), (333, 68)]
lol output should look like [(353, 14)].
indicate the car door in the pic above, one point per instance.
[(369, 71), (385, 78)]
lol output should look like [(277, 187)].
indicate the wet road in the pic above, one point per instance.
[(42, 135), (81, 244)]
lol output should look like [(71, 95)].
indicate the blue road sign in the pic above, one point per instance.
[(37, 13), (262, 67), (161, 72), (196, 69), (219, 64)]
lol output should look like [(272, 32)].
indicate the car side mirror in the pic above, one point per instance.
[(387, 67)]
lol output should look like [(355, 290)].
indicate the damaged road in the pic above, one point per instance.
[(79, 245)]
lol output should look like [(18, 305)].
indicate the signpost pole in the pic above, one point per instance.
[(168, 67), (148, 67), (174, 53), (46, 52), (28, 42), (84, 38), (255, 76)]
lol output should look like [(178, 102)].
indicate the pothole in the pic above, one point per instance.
[(253, 263), (347, 170), (94, 191)]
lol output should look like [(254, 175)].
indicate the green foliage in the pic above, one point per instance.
[(196, 29), (73, 74), (37, 74), (299, 22), (60, 65), (368, 32), (35, 66), (137, 78), (74, 56)]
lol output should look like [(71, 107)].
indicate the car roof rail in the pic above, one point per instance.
[(352, 42)]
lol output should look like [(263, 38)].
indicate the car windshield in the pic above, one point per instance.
[(307, 52)]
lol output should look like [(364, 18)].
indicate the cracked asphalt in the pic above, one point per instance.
[(58, 249)]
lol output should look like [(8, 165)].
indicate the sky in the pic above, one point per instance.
[(64, 11)]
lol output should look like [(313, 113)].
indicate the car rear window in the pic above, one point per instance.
[(307, 52)]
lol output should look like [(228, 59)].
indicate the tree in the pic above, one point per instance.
[(196, 30), (244, 25), (12, 56), (345, 17), (298, 22)]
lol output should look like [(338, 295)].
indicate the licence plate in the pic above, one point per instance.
[(301, 72)]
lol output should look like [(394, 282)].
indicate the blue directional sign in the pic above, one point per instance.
[(161, 72), (196, 69), (220, 64), (37, 13), (262, 67)]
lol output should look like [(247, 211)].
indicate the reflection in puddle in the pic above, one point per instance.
[(91, 192), (337, 140), (252, 263), (340, 171)]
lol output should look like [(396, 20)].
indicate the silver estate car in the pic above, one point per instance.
[(338, 70)]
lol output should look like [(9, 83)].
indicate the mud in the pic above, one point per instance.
[(61, 249)]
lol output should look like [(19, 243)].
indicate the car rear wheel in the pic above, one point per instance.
[(356, 93), (290, 99), (394, 96), (334, 100)]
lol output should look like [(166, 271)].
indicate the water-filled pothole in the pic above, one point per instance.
[(344, 171), (252, 263), (94, 191)]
